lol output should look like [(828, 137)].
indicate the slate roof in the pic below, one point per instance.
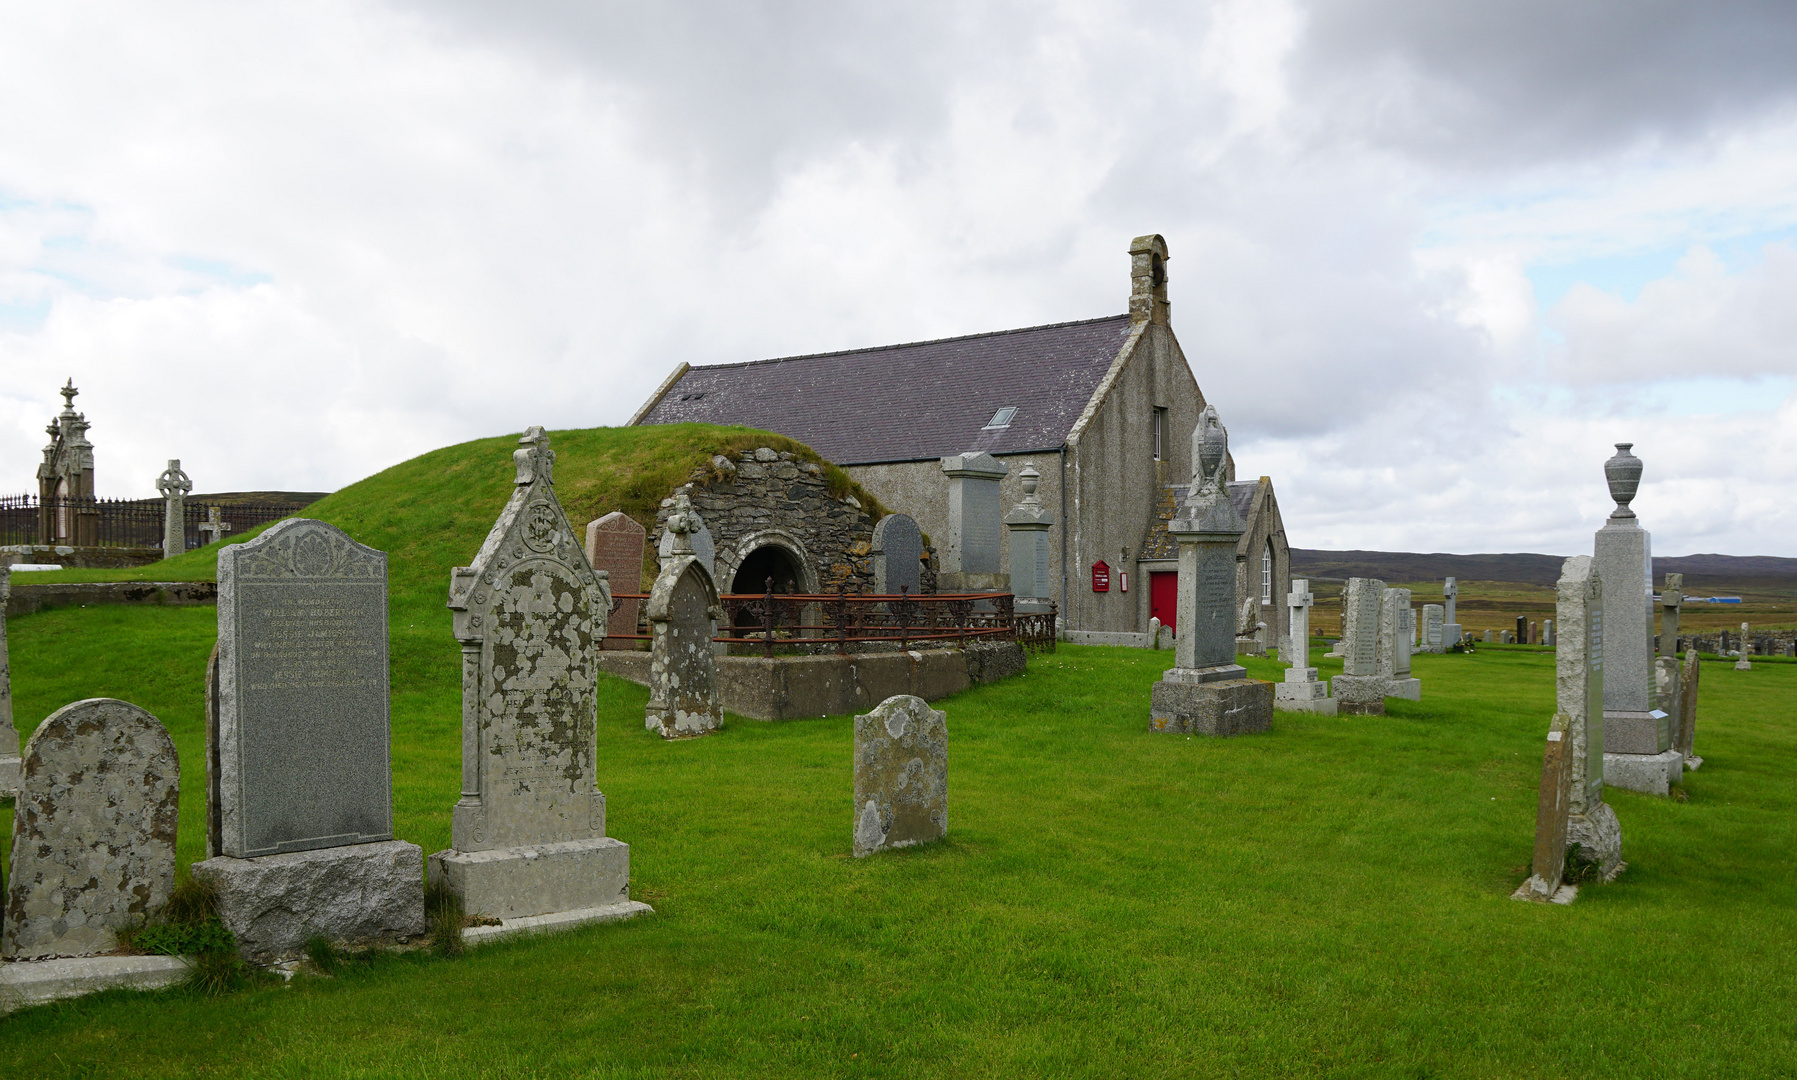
[(914, 402), (1159, 543)]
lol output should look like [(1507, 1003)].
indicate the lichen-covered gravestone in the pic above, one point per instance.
[(529, 832), (615, 549), (302, 814), (901, 775), (1687, 703), (93, 843), (683, 607), (1394, 646), (898, 556)]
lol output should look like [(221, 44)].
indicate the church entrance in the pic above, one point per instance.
[(1163, 597)]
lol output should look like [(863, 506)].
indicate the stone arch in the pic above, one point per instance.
[(786, 547)]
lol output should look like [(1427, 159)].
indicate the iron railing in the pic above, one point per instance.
[(88, 522)]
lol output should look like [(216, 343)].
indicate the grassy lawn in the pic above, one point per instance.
[(1327, 899)]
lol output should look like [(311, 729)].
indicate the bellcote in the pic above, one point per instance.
[(1148, 280)]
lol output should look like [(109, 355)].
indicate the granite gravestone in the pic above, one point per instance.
[(901, 775), (1579, 674), (1451, 632), (1434, 638), (1687, 703), (970, 556), (1672, 599), (1744, 664), (683, 609), (1301, 691), (1031, 557), (1360, 688), (1637, 736), (1522, 630), (614, 548), (529, 831), (9, 735), (1547, 632), (93, 843), (1206, 692), (898, 556), (174, 486), (304, 792), (1394, 646)]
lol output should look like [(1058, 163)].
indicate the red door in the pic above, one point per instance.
[(1163, 597)]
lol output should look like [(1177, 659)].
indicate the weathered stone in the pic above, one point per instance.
[(1552, 809), (357, 893), (93, 844), (1360, 689), (1434, 639), (1624, 555), (303, 753), (897, 549), (9, 735), (701, 547), (1218, 707), (901, 775), (1687, 701), (174, 486), (530, 827), (683, 609), (1032, 560), (35, 982), (1744, 664), (1393, 651), (970, 552), (614, 549), (1301, 691), (1579, 689), (1672, 599)]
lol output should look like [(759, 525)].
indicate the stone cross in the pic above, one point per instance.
[(1672, 598), (1744, 664), (1031, 557), (214, 526), (174, 485), (1297, 644), (1301, 691), (528, 835), (93, 843), (901, 775), (1579, 674), (970, 552)]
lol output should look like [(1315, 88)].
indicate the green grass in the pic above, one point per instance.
[(1327, 899)]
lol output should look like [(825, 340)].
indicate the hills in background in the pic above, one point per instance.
[(1744, 575)]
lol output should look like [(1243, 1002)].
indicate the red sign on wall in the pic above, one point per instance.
[(1101, 576)]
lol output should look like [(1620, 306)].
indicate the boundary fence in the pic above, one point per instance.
[(85, 522)]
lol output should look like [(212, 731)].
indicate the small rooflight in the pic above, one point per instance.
[(1002, 418)]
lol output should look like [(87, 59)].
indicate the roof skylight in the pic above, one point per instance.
[(1002, 418)]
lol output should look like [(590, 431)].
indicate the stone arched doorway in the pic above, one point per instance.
[(771, 553)]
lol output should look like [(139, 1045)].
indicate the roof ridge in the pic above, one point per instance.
[(907, 344)]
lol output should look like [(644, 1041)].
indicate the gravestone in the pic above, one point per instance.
[(705, 549), (1490, 637), (1551, 818), (614, 549), (1534, 632), (174, 486), (1301, 691), (1687, 702), (901, 775), (683, 611), (1637, 736), (1360, 688), (1672, 599), (898, 556), (1579, 674), (1522, 630), (1394, 646), (215, 527), (1547, 632), (528, 835), (970, 554), (93, 842), (1744, 664), (1450, 630), (9, 735), (1410, 627), (1667, 687), (304, 792), (1434, 637), (1031, 558), (1206, 692)]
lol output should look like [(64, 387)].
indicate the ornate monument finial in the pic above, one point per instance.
[(682, 523), (68, 393), (1210, 453), (535, 460), (1624, 475), (1031, 480)]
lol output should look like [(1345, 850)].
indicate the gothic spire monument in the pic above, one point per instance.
[(65, 480)]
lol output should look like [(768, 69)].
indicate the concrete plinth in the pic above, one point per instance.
[(1360, 695), (1651, 774), (32, 982), (1306, 695), (361, 892), (1212, 707), (1408, 689), (556, 923), (540, 879)]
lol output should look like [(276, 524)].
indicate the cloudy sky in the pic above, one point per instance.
[(1430, 259)]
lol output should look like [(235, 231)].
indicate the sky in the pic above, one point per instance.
[(1430, 259)]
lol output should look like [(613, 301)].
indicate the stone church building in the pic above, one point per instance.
[(1103, 408)]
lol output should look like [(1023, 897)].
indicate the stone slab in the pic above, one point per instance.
[(1650, 774), (1543, 892), (557, 922), (1324, 706), (1636, 732), (358, 893), (9, 775), (1229, 707), (33, 982), (901, 775), (614, 547), (1360, 695), (1599, 836), (683, 682), (1408, 689), (898, 555), (1312, 689), (540, 879)]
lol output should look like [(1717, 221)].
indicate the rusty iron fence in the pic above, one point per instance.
[(92, 522), (824, 622)]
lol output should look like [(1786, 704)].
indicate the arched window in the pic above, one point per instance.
[(1266, 575)]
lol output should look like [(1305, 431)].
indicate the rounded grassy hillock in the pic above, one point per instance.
[(431, 513)]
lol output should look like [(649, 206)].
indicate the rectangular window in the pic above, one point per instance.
[(1160, 434)]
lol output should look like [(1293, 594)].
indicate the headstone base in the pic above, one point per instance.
[(9, 774), (360, 892), (550, 924), (1249, 646), (1652, 774), (1304, 694), (541, 879), (1635, 733), (1543, 892), (1599, 836), (672, 723), (1199, 676), (1692, 764), (1359, 695), (1743, 664), (33, 982), (1450, 636), (1217, 707), (1029, 605), (1408, 689), (973, 583)]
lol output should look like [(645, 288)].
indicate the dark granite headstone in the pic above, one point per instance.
[(898, 554)]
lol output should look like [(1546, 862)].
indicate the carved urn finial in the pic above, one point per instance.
[(1210, 452), (1031, 480), (1624, 475), (68, 393)]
